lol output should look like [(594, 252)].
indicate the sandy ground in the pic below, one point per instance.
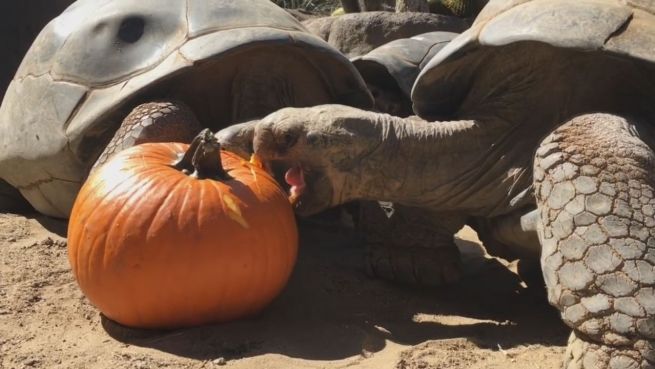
[(331, 315)]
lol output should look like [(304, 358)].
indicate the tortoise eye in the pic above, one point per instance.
[(290, 140), (131, 29), (312, 138)]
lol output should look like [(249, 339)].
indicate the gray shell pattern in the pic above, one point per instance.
[(623, 28), (99, 56)]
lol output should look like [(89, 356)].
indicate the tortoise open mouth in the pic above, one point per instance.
[(307, 187), (295, 178)]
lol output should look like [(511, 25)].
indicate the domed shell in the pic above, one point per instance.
[(401, 60), (620, 28), (101, 57)]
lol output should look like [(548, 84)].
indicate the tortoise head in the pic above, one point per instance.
[(317, 151)]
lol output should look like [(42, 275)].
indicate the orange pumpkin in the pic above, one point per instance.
[(156, 241)]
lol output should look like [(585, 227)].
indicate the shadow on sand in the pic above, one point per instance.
[(54, 225), (331, 310)]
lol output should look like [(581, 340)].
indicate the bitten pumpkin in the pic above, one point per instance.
[(168, 235)]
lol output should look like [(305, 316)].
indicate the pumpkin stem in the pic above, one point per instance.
[(203, 158), (185, 164)]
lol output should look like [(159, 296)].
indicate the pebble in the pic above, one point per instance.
[(31, 362), (220, 361)]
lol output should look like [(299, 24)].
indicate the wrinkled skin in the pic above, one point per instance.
[(346, 154)]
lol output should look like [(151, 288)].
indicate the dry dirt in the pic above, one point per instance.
[(331, 315)]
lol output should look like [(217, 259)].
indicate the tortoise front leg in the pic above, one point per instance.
[(412, 245), (159, 121), (594, 182)]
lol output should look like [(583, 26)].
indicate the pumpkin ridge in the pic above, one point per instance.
[(219, 188), (183, 209), (120, 212), (172, 189), (95, 183), (144, 184), (86, 215)]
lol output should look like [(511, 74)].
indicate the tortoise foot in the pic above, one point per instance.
[(584, 354), (414, 265), (595, 188), (410, 245)]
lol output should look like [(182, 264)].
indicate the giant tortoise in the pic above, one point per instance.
[(356, 34), (543, 113), (227, 61)]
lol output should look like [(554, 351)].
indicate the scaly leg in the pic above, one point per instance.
[(594, 182), (160, 121), (411, 245)]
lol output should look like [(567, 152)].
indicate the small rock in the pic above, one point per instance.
[(220, 361), (140, 364), (54, 243), (31, 363)]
